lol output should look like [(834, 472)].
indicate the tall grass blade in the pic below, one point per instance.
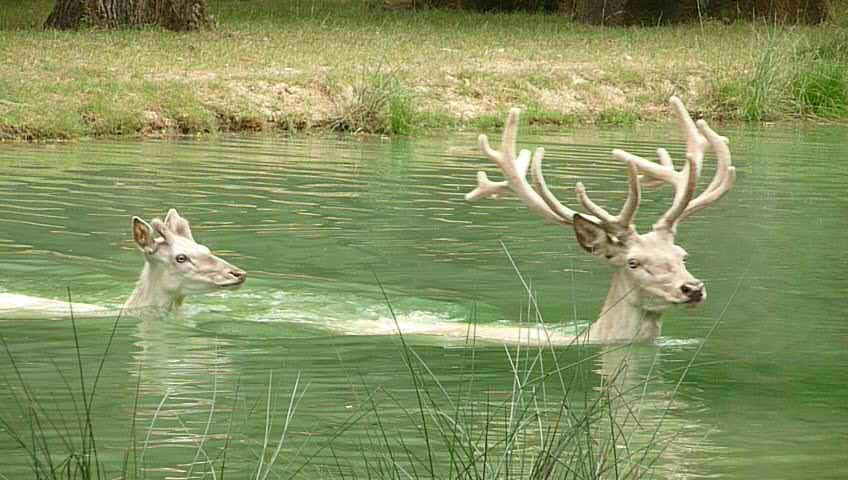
[(415, 379)]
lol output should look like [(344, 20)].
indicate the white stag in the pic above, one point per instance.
[(649, 270), (175, 266)]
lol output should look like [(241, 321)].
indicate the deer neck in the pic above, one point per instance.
[(622, 319), (150, 291)]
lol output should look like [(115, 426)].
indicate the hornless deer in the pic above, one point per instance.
[(649, 270), (175, 266)]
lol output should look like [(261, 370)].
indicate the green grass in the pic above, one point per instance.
[(376, 103), (789, 76), (618, 117), (822, 90), (767, 81), (271, 66), (821, 85)]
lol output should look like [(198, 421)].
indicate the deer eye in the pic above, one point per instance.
[(181, 258), (633, 263)]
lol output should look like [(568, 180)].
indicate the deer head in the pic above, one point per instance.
[(176, 266), (650, 269)]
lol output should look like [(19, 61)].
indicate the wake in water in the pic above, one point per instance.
[(335, 314), (351, 314), (17, 305)]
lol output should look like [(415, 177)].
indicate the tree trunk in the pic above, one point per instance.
[(178, 15), (656, 12), (596, 12), (785, 11), (649, 12)]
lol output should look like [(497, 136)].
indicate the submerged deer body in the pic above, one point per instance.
[(649, 269), (175, 266)]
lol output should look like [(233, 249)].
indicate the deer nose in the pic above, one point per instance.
[(238, 274), (693, 290)]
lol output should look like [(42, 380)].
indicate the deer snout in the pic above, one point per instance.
[(238, 276), (694, 291)]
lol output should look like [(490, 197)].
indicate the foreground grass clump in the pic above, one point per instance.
[(533, 431), (361, 67), (61, 445)]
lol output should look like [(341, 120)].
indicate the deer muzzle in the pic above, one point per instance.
[(695, 292)]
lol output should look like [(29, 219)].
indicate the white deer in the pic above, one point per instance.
[(175, 266), (649, 270)]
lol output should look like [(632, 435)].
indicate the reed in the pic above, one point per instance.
[(77, 455), (64, 446), (569, 432)]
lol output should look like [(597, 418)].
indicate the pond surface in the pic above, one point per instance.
[(320, 223)]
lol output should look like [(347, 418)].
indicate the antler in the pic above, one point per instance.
[(699, 137), (539, 199)]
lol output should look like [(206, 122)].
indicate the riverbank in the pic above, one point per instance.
[(360, 67)]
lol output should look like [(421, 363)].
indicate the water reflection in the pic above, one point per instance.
[(650, 421), (190, 376)]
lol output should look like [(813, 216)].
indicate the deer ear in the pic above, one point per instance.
[(143, 235), (178, 224), (593, 238)]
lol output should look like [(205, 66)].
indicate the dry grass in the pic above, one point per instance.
[(293, 65)]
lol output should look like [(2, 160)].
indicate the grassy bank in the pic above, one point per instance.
[(359, 67)]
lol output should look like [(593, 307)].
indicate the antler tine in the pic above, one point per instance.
[(515, 173), (634, 196), (539, 198), (486, 188), (621, 223), (665, 160), (683, 192), (591, 206), (683, 181), (542, 189), (725, 173), (695, 142)]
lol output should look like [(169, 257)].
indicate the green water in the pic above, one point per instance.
[(316, 221)]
